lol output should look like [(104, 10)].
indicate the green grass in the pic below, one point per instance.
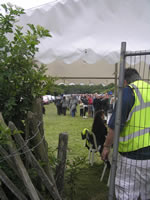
[(87, 185)]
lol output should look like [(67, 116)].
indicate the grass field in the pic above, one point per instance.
[(86, 184)]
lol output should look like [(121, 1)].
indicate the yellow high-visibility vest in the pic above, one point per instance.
[(136, 132)]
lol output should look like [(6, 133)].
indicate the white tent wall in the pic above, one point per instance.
[(90, 30), (79, 69), (97, 73)]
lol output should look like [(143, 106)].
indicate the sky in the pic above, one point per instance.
[(26, 4)]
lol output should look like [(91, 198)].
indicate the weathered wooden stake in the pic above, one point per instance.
[(22, 171), (40, 152), (62, 153), (8, 159), (34, 163), (12, 165), (37, 109), (11, 186)]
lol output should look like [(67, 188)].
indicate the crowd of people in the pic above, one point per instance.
[(89, 104), (99, 107), (64, 103), (133, 164)]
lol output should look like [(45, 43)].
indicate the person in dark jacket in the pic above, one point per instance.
[(99, 128), (64, 105), (85, 106), (58, 103)]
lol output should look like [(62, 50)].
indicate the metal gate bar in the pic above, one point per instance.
[(123, 56)]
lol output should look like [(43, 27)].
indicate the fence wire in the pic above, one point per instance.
[(133, 175), (17, 152)]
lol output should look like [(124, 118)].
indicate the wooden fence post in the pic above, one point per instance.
[(60, 169), (51, 187), (40, 151), (22, 170), (4, 178), (9, 160), (37, 109)]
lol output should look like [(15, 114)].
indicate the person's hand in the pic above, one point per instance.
[(105, 153)]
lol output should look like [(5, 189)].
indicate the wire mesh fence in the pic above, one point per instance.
[(130, 172)]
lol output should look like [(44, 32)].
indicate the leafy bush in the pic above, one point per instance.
[(21, 79), (73, 169)]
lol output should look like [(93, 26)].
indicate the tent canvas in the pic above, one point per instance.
[(90, 30), (91, 73)]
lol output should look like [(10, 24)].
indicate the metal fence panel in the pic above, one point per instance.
[(130, 170)]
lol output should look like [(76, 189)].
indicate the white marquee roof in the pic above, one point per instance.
[(90, 30)]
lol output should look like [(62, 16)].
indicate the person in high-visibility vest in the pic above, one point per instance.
[(133, 167)]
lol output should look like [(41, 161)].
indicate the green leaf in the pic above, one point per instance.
[(21, 79)]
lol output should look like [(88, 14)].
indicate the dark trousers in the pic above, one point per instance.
[(81, 112), (85, 111), (59, 110), (64, 110)]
